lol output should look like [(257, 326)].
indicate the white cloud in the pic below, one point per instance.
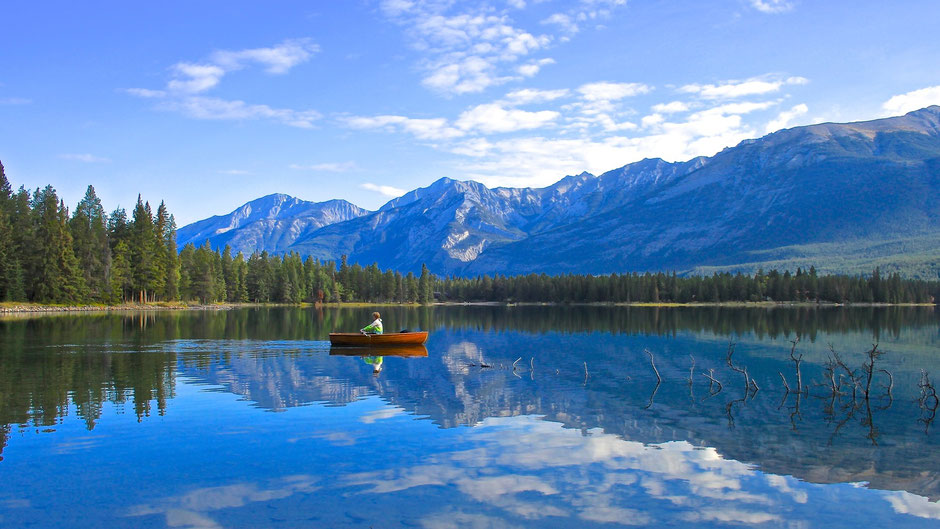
[(195, 78), (85, 158), (785, 117), (332, 167), (733, 89), (527, 96), (605, 91), (772, 6), (277, 60), (491, 117), (564, 22), (234, 172), (532, 68), (913, 100), (486, 118), (388, 191), (222, 109), (538, 161), (670, 108), (190, 80), (469, 50), (146, 93), (421, 128)]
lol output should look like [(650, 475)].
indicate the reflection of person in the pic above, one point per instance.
[(376, 362), (375, 327)]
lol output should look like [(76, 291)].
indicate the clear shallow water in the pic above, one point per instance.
[(243, 419)]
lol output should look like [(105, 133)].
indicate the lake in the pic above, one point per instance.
[(525, 416)]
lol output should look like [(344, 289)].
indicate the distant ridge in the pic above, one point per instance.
[(843, 197), (271, 223)]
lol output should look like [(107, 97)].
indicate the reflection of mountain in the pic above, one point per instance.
[(590, 372), (453, 390)]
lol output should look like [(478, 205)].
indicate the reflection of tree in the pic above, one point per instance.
[(271, 356), (4, 435), (928, 400), (38, 383)]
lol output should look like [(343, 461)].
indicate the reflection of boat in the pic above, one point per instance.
[(411, 351), (355, 339)]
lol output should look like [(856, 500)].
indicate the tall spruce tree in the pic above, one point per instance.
[(142, 249), (6, 238), (90, 241), (171, 288), (54, 270)]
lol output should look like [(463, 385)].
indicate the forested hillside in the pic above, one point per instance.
[(48, 255)]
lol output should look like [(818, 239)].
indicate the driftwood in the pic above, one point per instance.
[(659, 379)]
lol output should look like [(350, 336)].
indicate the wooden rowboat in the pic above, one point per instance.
[(355, 339)]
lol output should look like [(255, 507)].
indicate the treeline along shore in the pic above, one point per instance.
[(49, 256)]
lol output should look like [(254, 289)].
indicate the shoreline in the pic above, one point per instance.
[(8, 308)]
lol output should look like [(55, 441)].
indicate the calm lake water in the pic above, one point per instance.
[(247, 419)]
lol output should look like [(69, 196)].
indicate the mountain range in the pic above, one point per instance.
[(842, 197)]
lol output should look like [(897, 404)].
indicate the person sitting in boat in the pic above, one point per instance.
[(375, 327)]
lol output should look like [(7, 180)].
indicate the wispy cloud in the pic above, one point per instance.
[(913, 100), (466, 48), (786, 117), (528, 96), (733, 89), (234, 172), (331, 167), (14, 101), (595, 127), (772, 6), (388, 191), (581, 13), (276, 60), (421, 128), (183, 92), (492, 117), (223, 109), (85, 158)]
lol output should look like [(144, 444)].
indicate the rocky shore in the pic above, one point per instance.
[(25, 308)]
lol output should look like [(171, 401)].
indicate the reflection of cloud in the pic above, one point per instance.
[(730, 515), (190, 510), (334, 438), (536, 469), (907, 503), (452, 519), (384, 413), (77, 444)]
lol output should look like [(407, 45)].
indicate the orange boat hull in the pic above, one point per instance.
[(355, 339)]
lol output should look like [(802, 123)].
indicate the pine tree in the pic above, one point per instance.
[(121, 279), (6, 256), (142, 250), (54, 270), (172, 282), (90, 242), (425, 294)]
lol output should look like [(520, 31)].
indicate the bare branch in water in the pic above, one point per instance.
[(659, 379)]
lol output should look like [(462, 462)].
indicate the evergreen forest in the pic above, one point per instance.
[(49, 255)]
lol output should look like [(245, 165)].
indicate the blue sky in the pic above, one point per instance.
[(208, 105)]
